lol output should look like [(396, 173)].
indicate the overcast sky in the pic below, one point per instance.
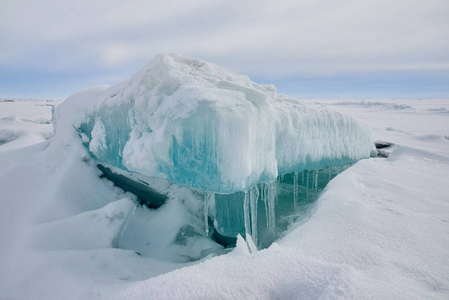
[(307, 48)]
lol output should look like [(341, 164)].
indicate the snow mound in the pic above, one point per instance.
[(202, 126), (89, 230)]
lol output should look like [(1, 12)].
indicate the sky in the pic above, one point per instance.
[(307, 48)]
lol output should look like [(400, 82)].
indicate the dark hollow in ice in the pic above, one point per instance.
[(146, 195), (382, 144)]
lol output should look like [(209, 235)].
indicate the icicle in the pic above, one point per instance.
[(251, 244), (313, 179), (246, 212), (307, 186), (271, 199), (264, 197), (295, 188), (329, 174), (302, 174), (316, 181), (268, 196), (207, 197), (253, 199)]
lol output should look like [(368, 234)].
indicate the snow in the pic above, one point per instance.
[(199, 125), (31, 127), (379, 230), (98, 142)]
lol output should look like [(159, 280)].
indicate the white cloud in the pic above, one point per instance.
[(276, 38)]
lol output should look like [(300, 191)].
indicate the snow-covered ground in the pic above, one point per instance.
[(25, 122), (379, 230)]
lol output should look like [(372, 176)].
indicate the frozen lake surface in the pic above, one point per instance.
[(380, 229)]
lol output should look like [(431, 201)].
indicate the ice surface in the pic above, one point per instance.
[(201, 126), (379, 230)]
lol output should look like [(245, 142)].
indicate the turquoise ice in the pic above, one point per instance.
[(201, 126)]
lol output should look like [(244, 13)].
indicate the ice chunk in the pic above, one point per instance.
[(202, 126)]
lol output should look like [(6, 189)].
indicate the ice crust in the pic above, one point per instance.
[(202, 126)]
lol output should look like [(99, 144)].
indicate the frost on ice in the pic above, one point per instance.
[(201, 126)]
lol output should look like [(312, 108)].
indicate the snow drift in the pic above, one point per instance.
[(202, 126), (380, 229)]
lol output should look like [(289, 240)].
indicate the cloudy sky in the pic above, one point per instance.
[(307, 48)]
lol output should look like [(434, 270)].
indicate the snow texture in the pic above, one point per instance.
[(201, 126), (380, 229), (32, 126)]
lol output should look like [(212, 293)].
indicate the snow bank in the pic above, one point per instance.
[(379, 231), (199, 125), (32, 125)]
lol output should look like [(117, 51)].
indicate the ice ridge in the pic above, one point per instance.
[(202, 126)]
